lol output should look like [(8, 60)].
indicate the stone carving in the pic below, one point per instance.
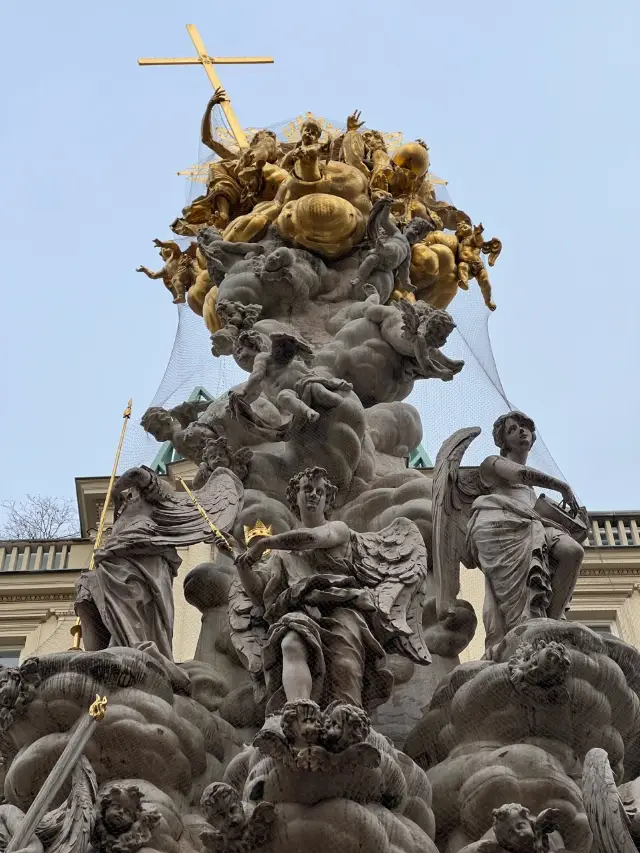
[(613, 817), (368, 589), (281, 374), (543, 538), (234, 831), (390, 256), (516, 830), (128, 598), (179, 426), (65, 829), (18, 687), (305, 738), (178, 273), (538, 671), (123, 824), (383, 349), (218, 454)]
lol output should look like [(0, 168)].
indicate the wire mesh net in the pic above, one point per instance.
[(474, 398)]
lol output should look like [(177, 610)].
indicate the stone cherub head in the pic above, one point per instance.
[(302, 723), (514, 828), (539, 670), (417, 229), (18, 687), (123, 824), (421, 320), (311, 490), (247, 346), (222, 807), (517, 831), (344, 726)]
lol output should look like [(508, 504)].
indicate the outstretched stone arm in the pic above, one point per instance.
[(496, 470), (304, 539), (240, 248), (252, 388), (433, 363)]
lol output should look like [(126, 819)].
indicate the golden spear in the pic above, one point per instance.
[(76, 630), (203, 513)]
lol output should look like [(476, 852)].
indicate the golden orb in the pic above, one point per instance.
[(414, 157)]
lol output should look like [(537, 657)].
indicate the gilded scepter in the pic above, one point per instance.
[(76, 629), (203, 513)]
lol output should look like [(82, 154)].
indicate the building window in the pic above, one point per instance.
[(9, 657), (44, 563), (600, 627)]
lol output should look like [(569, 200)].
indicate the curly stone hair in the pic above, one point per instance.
[(294, 487), (154, 415), (499, 428)]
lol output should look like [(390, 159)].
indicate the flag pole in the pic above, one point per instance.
[(76, 629)]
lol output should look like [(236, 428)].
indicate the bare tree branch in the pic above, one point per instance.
[(39, 517)]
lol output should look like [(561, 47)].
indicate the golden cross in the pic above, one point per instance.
[(209, 63)]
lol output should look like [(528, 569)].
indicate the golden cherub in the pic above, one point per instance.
[(178, 273), (470, 244)]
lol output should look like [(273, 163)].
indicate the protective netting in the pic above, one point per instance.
[(474, 398)]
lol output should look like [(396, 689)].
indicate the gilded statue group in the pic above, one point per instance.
[(326, 707), (335, 197)]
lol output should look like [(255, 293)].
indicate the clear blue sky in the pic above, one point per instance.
[(530, 111)]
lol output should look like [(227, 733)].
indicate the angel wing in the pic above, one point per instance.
[(393, 562), (68, 828), (410, 318), (607, 817), (222, 497), (248, 635), (453, 495), (178, 521)]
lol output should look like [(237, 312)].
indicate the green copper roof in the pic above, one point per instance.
[(419, 458)]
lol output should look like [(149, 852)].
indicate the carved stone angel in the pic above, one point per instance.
[(516, 830), (391, 252), (128, 598), (527, 547), (334, 601), (614, 821), (382, 349)]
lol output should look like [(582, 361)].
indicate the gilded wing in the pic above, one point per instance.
[(393, 562), (607, 818), (248, 634), (453, 495)]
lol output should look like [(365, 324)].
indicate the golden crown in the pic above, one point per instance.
[(258, 529)]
